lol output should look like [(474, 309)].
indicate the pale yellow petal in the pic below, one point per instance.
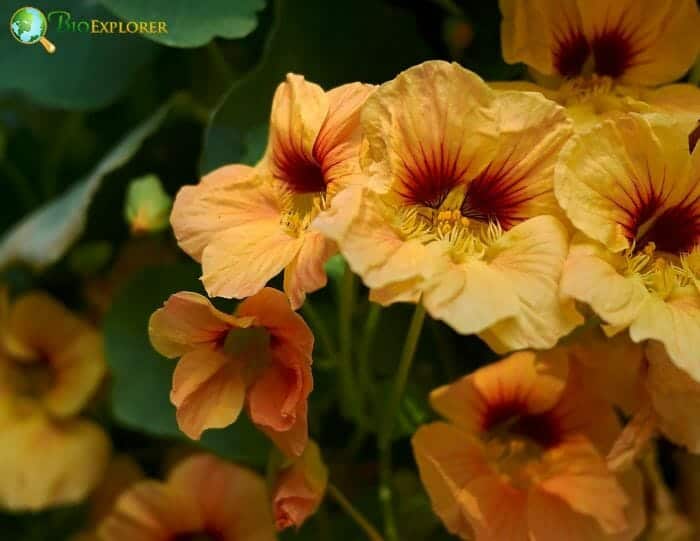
[(591, 275), (531, 256), (675, 323)]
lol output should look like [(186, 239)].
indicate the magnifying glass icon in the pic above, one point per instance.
[(28, 25)]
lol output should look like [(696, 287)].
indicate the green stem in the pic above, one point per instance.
[(390, 414), (320, 329), (364, 372), (360, 520), (349, 390)]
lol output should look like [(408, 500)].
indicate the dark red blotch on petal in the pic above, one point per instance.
[(512, 416)]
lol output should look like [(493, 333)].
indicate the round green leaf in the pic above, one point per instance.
[(191, 24), (86, 72), (142, 378)]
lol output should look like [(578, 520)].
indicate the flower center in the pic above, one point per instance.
[(510, 419), (301, 209), (467, 238), (301, 174), (31, 379), (252, 347), (515, 438), (609, 53)]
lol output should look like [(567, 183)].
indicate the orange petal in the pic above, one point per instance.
[(271, 309), (306, 272), (240, 261), (189, 321), (299, 488), (502, 509), (230, 499), (579, 476), (412, 141), (149, 511), (338, 141), (208, 391), (517, 379), (202, 212), (299, 109), (675, 398), (448, 459)]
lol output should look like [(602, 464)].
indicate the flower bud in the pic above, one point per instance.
[(300, 485), (147, 205)]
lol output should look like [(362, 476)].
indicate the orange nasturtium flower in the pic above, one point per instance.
[(600, 55), (51, 364), (632, 186), (247, 224), (522, 457), (299, 487), (203, 498), (459, 209), (261, 356)]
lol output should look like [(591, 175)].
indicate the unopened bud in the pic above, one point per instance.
[(147, 205)]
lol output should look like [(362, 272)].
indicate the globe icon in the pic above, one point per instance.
[(28, 26)]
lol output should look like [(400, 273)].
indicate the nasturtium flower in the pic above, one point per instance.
[(601, 56), (45, 462), (260, 356), (203, 498), (522, 456), (299, 487), (48, 355), (247, 224), (458, 211), (51, 364), (633, 188)]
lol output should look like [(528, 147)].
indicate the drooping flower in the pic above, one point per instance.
[(632, 187), (203, 498), (260, 356), (522, 457), (247, 224), (51, 364), (459, 210), (599, 57), (299, 487)]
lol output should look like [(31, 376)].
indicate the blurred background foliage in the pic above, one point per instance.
[(77, 126)]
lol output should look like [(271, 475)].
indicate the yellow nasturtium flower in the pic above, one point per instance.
[(598, 56), (51, 364), (633, 188), (458, 211), (247, 224)]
